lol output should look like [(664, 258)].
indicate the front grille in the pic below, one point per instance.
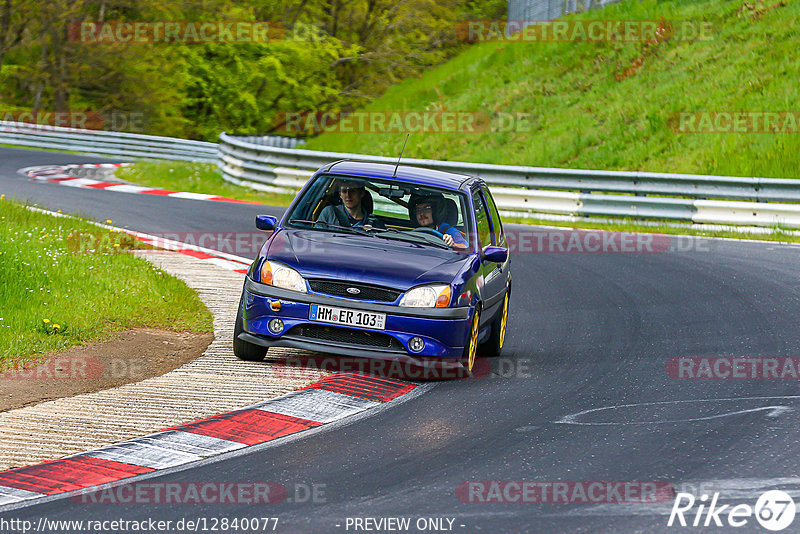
[(339, 289), (343, 335)]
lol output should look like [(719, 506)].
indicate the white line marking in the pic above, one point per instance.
[(160, 242), (773, 411)]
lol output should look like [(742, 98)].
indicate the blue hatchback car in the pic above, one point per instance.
[(377, 261)]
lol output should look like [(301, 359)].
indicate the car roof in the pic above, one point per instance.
[(415, 175)]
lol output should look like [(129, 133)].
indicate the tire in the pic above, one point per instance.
[(494, 345), (242, 349), (471, 349)]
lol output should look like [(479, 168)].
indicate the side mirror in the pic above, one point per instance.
[(495, 254), (266, 222)]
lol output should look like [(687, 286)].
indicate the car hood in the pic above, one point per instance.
[(365, 259)]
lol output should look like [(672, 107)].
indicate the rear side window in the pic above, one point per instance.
[(482, 220), (497, 225)]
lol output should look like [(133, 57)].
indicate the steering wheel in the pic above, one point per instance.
[(431, 231)]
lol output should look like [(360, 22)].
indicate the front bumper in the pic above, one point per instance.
[(444, 330)]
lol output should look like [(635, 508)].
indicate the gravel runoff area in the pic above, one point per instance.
[(214, 383)]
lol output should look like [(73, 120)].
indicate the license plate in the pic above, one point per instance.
[(361, 319)]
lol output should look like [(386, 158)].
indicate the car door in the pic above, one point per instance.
[(495, 274), (487, 274)]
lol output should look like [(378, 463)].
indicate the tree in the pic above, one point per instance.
[(12, 25)]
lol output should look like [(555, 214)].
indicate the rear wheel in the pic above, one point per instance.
[(494, 345), (468, 358), (242, 349)]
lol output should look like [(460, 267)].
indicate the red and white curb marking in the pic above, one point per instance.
[(334, 397), (59, 174), (230, 262)]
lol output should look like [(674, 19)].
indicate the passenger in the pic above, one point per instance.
[(352, 211), (429, 212)]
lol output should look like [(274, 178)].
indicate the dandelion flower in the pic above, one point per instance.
[(45, 321)]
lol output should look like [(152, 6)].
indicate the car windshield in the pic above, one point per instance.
[(384, 209)]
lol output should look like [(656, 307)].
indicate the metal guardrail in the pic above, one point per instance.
[(128, 145), (530, 190), (272, 140), (524, 191), (106, 143)]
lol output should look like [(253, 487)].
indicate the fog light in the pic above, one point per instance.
[(275, 326), (416, 344)]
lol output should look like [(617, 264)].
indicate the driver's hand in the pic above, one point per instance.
[(448, 240)]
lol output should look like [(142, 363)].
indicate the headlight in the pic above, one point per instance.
[(279, 275), (433, 296)]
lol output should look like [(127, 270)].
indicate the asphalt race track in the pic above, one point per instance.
[(581, 394)]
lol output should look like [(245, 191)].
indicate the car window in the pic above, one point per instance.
[(482, 220), (497, 225), (389, 203), (310, 203)]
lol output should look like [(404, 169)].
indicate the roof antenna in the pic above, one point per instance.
[(394, 174)]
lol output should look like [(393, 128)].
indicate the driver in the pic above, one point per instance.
[(350, 212), (428, 211)]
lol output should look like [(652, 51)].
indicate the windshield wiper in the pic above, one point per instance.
[(322, 225), (301, 221)]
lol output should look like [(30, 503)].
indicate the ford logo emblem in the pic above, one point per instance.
[(353, 290)]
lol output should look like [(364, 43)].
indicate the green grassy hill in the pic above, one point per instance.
[(608, 105)]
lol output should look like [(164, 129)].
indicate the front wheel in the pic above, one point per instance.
[(242, 349), (468, 358), (494, 345)]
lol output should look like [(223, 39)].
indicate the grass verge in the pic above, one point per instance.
[(66, 282), (614, 104), (194, 177)]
